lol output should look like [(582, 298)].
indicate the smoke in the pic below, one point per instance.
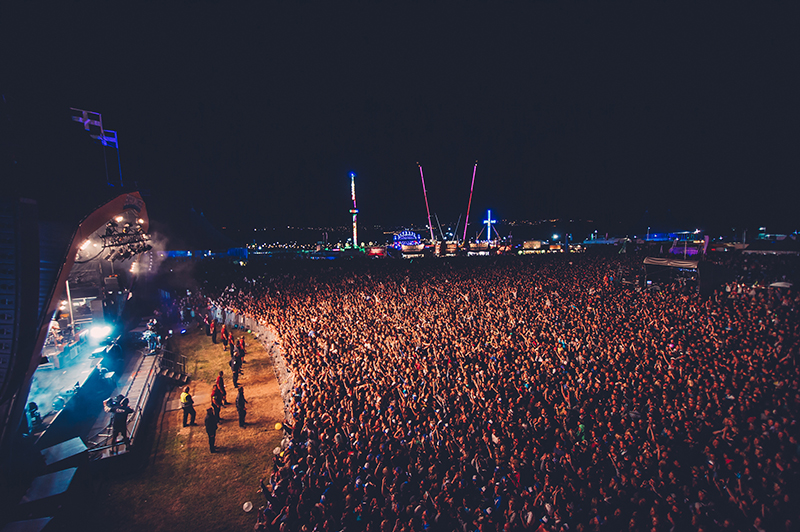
[(168, 273), (153, 259)]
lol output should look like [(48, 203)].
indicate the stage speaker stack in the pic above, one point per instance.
[(47, 494), (70, 453), (97, 310), (29, 525)]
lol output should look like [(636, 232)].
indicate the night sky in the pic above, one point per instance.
[(625, 114)]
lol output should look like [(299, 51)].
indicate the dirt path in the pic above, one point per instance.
[(184, 486)]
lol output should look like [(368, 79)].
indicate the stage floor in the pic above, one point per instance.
[(47, 384)]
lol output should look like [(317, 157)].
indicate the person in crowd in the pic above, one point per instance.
[(532, 394)]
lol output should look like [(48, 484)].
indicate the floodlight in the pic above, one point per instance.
[(99, 331)]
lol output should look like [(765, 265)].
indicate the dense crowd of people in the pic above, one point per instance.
[(529, 394)]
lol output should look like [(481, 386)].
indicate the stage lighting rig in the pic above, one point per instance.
[(126, 241)]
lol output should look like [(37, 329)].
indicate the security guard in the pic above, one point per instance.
[(187, 404)]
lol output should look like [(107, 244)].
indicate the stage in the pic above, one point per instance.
[(71, 398)]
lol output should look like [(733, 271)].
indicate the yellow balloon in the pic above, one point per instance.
[(278, 426)]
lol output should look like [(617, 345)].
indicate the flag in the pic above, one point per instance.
[(92, 122), (109, 138)]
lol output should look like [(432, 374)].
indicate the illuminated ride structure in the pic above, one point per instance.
[(62, 292), (354, 210), (408, 242), (427, 208), (469, 204)]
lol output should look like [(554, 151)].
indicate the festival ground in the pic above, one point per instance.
[(183, 486)]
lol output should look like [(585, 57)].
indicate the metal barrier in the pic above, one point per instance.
[(175, 363), (138, 412), (264, 334)]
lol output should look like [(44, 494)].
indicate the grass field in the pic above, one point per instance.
[(182, 486)]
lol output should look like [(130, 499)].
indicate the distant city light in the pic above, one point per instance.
[(555, 237)]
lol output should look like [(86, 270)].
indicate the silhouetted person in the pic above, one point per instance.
[(220, 382), (241, 409), (211, 423), (120, 413), (236, 368), (216, 400)]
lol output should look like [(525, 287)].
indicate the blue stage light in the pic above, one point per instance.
[(99, 331)]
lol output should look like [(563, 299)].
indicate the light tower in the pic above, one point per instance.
[(354, 210)]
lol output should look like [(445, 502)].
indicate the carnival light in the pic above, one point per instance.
[(488, 221), (354, 210), (425, 193)]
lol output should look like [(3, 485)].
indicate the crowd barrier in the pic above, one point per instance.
[(268, 336)]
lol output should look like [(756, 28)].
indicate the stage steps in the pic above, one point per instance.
[(174, 375)]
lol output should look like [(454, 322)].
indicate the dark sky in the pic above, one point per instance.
[(256, 115)]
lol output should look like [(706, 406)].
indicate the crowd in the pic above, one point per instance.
[(529, 394)]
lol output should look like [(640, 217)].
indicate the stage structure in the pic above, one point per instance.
[(92, 122), (61, 304)]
